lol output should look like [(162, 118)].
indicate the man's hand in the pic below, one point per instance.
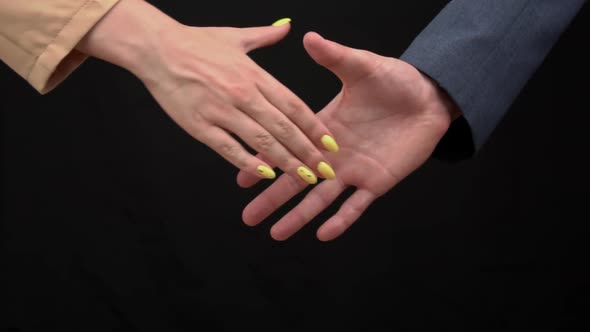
[(206, 82), (388, 117)]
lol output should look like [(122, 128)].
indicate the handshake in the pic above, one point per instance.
[(383, 124)]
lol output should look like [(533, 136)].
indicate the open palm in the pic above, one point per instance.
[(387, 118)]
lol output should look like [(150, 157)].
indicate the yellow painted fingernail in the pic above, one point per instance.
[(266, 171), (326, 170), (307, 175), (280, 22), (329, 143)]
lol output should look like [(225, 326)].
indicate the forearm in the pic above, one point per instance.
[(483, 53)]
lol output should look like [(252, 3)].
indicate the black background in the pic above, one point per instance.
[(114, 219)]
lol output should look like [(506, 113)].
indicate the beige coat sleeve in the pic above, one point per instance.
[(37, 37)]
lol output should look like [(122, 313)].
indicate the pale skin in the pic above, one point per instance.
[(203, 78), (388, 117)]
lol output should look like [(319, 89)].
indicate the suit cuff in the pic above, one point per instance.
[(460, 140)]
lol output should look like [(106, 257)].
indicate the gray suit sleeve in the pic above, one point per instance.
[(483, 52)]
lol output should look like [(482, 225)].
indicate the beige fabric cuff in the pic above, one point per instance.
[(60, 58)]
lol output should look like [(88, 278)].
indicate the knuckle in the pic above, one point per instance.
[(207, 109), (313, 155), (252, 72), (320, 198), (229, 150), (256, 110), (222, 114), (291, 107), (285, 162), (307, 154), (264, 141), (242, 94), (284, 129), (196, 118)]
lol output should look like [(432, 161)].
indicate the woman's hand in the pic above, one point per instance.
[(206, 82)]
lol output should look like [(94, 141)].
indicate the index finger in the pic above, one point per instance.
[(272, 198), (297, 111)]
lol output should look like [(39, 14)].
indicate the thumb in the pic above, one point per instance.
[(349, 64), (257, 37)]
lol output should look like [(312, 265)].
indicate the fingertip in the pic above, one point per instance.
[(323, 51), (331, 229), (241, 182), (258, 37), (283, 26), (277, 234), (311, 38), (329, 143), (243, 185), (283, 30), (246, 180), (282, 22), (248, 218), (325, 235)]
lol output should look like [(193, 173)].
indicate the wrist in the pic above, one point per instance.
[(442, 99), (127, 36)]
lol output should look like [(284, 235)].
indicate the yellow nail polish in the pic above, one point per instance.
[(307, 175), (280, 22), (326, 170), (329, 143), (266, 171)]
